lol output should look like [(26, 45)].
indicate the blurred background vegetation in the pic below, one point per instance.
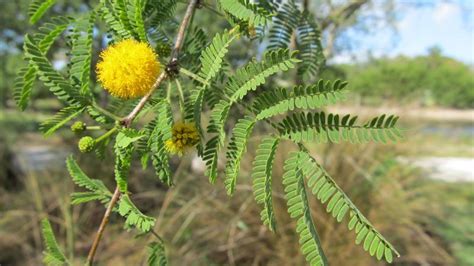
[(421, 190), (432, 80)]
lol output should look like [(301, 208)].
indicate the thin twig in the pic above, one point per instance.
[(103, 224), (106, 135), (127, 121), (182, 29), (105, 112), (157, 236), (177, 47)]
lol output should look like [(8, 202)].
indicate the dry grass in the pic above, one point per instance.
[(202, 226)]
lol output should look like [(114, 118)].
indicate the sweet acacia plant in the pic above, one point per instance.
[(182, 79)]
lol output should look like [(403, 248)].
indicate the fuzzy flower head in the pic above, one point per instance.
[(128, 69), (184, 136), (86, 144), (78, 127)]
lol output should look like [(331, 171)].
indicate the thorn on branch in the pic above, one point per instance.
[(172, 68), (125, 122), (199, 4)]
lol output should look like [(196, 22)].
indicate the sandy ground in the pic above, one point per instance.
[(450, 169)]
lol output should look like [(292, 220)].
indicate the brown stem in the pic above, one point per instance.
[(127, 121), (182, 29), (103, 224), (336, 16), (177, 47)]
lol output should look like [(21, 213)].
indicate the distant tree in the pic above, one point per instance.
[(13, 26), (448, 81), (340, 19)]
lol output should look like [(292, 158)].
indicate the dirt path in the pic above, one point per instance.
[(450, 169)]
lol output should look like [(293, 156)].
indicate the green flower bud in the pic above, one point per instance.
[(78, 127), (86, 144)]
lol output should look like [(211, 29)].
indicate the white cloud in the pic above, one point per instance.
[(445, 11)]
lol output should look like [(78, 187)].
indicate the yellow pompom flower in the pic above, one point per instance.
[(128, 69), (184, 136)]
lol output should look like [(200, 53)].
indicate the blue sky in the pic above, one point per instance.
[(446, 24)]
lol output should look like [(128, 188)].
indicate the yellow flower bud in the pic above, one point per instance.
[(184, 136)]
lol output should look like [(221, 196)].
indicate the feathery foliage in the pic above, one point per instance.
[(134, 217), (159, 11), (81, 56), (123, 151), (51, 31), (37, 9), (245, 11), (48, 127), (262, 179), (319, 127), (195, 44), (246, 79), (217, 87), (98, 115), (339, 205), (211, 63), (56, 83), (26, 77), (283, 26), (280, 100), (160, 132), (97, 189), (115, 16), (298, 208), (309, 45), (53, 254), (156, 254), (254, 74), (23, 86), (292, 28), (136, 14), (235, 151)]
